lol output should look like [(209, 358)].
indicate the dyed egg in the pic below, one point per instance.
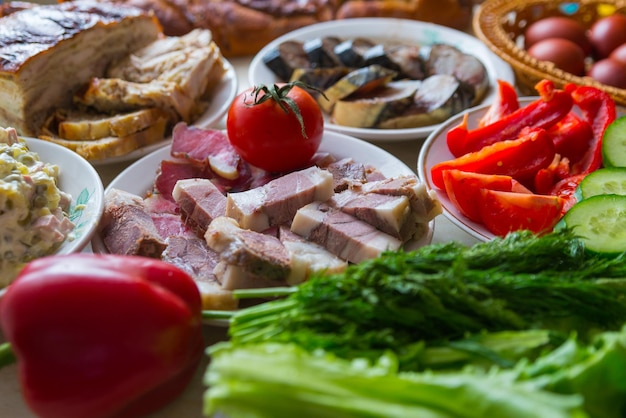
[(609, 72), (557, 27), (619, 53), (565, 54), (608, 33)]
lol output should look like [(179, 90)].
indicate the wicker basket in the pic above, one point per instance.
[(500, 24)]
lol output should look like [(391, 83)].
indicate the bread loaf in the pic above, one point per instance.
[(49, 52), (243, 27)]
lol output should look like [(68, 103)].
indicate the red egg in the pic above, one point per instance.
[(608, 33), (609, 72), (557, 27), (565, 54), (619, 53)]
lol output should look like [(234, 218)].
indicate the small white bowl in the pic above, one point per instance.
[(80, 179), (435, 150)]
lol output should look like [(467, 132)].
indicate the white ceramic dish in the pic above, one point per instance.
[(78, 178), (222, 98), (388, 30), (138, 177), (435, 150)]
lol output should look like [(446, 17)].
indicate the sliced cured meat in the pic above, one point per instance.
[(199, 201), (346, 172), (248, 259), (390, 214), (127, 229), (425, 205), (206, 148), (276, 202), (342, 234), (308, 258), (192, 255)]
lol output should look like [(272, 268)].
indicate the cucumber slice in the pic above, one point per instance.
[(610, 180), (600, 221), (614, 144)]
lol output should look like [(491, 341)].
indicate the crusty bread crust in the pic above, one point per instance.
[(243, 27)]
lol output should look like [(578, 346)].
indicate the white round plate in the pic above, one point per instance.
[(435, 150), (383, 29), (222, 97), (138, 178), (78, 178)]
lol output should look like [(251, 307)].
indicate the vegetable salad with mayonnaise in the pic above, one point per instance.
[(33, 210)]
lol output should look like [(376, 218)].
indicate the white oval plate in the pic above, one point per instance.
[(435, 150), (222, 97), (388, 30), (138, 178), (80, 179)]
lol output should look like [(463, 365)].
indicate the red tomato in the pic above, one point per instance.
[(463, 189), (504, 212), (566, 189), (266, 131)]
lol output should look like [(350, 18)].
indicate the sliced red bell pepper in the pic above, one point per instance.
[(463, 189), (598, 109), (102, 336), (544, 112), (505, 103), (519, 158), (504, 212), (571, 136), (547, 177)]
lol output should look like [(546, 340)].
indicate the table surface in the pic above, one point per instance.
[(189, 404)]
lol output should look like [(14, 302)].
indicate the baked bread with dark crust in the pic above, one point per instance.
[(49, 52), (243, 27)]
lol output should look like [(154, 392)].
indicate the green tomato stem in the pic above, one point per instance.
[(7, 357), (280, 96)]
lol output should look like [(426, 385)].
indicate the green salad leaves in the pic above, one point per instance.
[(519, 326)]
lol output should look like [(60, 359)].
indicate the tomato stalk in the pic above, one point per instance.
[(280, 95)]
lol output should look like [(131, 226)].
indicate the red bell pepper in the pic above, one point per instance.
[(598, 109), (544, 112), (547, 177), (102, 335), (506, 103), (571, 136), (519, 158)]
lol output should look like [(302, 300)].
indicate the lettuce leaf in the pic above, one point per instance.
[(275, 380)]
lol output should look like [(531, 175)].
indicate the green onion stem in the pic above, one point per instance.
[(7, 357)]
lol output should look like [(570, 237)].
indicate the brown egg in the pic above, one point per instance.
[(619, 53), (565, 54), (608, 33), (609, 72), (557, 27)]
